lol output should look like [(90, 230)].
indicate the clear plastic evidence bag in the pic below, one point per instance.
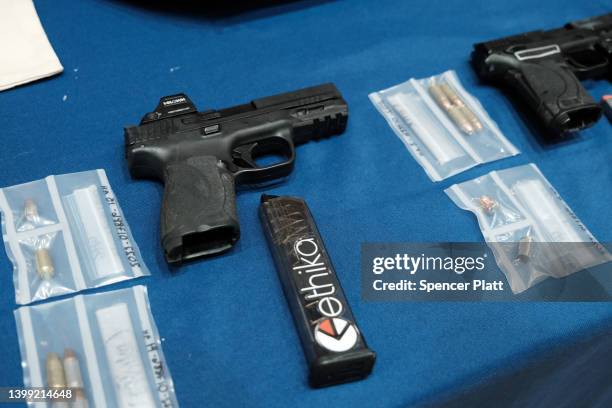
[(530, 229), (66, 233), (104, 348), (444, 128)]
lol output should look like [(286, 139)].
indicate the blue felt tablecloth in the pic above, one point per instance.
[(228, 336)]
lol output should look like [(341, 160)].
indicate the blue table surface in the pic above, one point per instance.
[(228, 337)]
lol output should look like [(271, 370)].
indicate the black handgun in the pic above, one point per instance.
[(201, 156), (545, 68)]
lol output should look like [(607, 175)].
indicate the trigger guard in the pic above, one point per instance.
[(255, 174), (242, 156)]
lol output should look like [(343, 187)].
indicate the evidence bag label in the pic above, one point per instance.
[(466, 272)]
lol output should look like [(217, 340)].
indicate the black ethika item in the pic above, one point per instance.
[(334, 347)]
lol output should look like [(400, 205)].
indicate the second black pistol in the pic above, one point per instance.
[(544, 68)]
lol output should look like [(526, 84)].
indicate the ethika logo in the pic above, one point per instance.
[(175, 101), (336, 334), (319, 286), (330, 331)]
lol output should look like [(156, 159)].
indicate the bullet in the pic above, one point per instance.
[(524, 248), (56, 377), (79, 399), (440, 97), (460, 120), (55, 372), (487, 204), (30, 210), (472, 118), (451, 94), (456, 100), (72, 369), (74, 379), (454, 111), (44, 264)]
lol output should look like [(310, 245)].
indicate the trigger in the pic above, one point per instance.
[(243, 155)]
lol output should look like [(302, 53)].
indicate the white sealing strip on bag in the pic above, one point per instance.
[(444, 128), (65, 234), (164, 385), (531, 230), (122, 228), (108, 339)]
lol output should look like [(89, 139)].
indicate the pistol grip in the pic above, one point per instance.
[(556, 95), (198, 216)]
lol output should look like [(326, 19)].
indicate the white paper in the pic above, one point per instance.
[(25, 52), (442, 148), (127, 370), (534, 195)]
